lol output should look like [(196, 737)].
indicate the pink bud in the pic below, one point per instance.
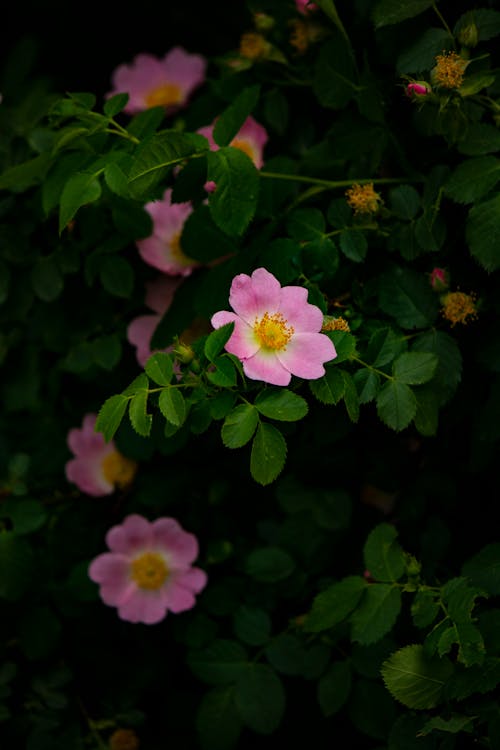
[(439, 279), (417, 89)]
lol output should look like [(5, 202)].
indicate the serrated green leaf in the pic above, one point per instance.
[(388, 12), (141, 421), (351, 398), (396, 405), (239, 426), (231, 120), (473, 179), (334, 688), (110, 416), (216, 341), (330, 388), (334, 604), (407, 296), (476, 679), (383, 555), (376, 614), (268, 454), (420, 56), (159, 367), (414, 368), (269, 564), (260, 698), (224, 374), (454, 725), (334, 75), (415, 679), (486, 21), (232, 204), (217, 722), (115, 104), (368, 385), (106, 351), (482, 233), (172, 405), (425, 608), (353, 244), (252, 625), (480, 138), (82, 188), (345, 345), (219, 663), (306, 224), (404, 202), (384, 346), (483, 569), (283, 405), (117, 276)]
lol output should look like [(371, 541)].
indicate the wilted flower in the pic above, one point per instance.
[(439, 279), (449, 70), (148, 570), (162, 248), (459, 307), (417, 89), (276, 332), (153, 82), (98, 467), (124, 739), (254, 46), (363, 199), (159, 296)]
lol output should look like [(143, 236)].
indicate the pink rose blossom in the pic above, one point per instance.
[(153, 82), (251, 139), (305, 6), (417, 89), (162, 248), (98, 468), (276, 331), (148, 570), (159, 297)]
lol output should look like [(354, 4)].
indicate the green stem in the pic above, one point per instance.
[(332, 184), (370, 367), (123, 134), (439, 15)]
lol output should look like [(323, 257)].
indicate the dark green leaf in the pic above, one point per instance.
[(396, 405), (482, 233), (283, 405), (376, 614), (383, 555), (217, 340), (159, 367), (239, 426), (334, 688), (219, 663), (217, 721), (260, 698), (394, 11), (233, 202), (141, 421), (173, 406), (414, 368), (252, 625), (334, 604), (231, 120), (110, 416), (269, 564), (268, 454), (81, 189)]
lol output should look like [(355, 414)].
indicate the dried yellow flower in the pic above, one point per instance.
[(299, 35), (124, 739), (363, 199), (253, 46), (335, 324), (459, 307), (449, 70)]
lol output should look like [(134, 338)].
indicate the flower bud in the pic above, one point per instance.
[(263, 22), (439, 279), (468, 35), (418, 89), (183, 353)]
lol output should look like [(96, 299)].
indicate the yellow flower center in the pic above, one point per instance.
[(458, 307), (244, 146), (449, 70), (363, 199), (164, 95), (272, 331), (177, 252), (118, 470), (149, 571)]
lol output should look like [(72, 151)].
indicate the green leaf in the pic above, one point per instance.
[(286, 654), (201, 238), (396, 405), (475, 679), (449, 368), (269, 564), (306, 224), (159, 153), (330, 388), (353, 244), (384, 346), (473, 179), (454, 725), (376, 614), (367, 384), (81, 189), (106, 351), (474, 83), (25, 515), (16, 565), (425, 608), (420, 56), (482, 233), (216, 341), (415, 679), (260, 698), (351, 398), (141, 421), (117, 276), (252, 625), (228, 124), (345, 345), (217, 722), (483, 569), (480, 138), (110, 415), (115, 104), (407, 296), (239, 426), (383, 555), (334, 604), (219, 663), (233, 202), (282, 404), (224, 374), (39, 632), (22, 176), (268, 454), (159, 367), (47, 279), (486, 21), (388, 12), (414, 368), (334, 688), (334, 76), (173, 406), (405, 202)]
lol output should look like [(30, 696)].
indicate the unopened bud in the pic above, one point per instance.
[(439, 279), (468, 35), (418, 89), (263, 22), (183, 353)]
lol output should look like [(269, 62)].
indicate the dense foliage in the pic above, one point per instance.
[(250, 383)]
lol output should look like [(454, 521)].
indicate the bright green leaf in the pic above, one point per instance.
[(415, 679)]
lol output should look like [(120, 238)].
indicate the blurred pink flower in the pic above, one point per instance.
[(148, 570), (159, 297), (305, 6), (251, 139), (276, 332), (162, 248), (159, 82), (98, 468)]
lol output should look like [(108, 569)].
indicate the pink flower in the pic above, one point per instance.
[(439, 279), (159, 296), (162, 248), (148, 570), (417, 89), (251, 139), (276, 332), (153, 82), (98, 467), (305, 6)]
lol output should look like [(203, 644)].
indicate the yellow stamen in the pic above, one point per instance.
[(272, 331), (164, 95), (118, 470), (458, 307), (335, 324), (149, 571), (177, 252), (449, 70), (363, 199)]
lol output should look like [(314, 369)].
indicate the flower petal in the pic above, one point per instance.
[(303, 316), (252, 296), (87, 474), (133, 535), (242, 342), (169, 537), (305, 354), (143, 606), (267, 367)]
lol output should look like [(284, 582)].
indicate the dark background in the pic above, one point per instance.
[(77, 46)]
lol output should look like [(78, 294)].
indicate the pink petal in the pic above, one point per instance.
[(139, 333), (133, 535), (194, 579), (168, 218), (180, 546), (207, 132), (158, 254), (305, 354), (86, 474), (86, 441), (111, 569), (242, 342), (185, 69), (266, 366), (160, 293), (251, 297), (143, 606), (180, 598), (298, 312)]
